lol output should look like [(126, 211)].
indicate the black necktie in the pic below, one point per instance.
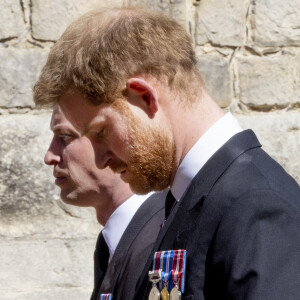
[(101, 257), (170, 204)]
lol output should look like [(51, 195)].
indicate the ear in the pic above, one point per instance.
[(143, 94)]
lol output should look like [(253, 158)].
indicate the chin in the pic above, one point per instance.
[(142, 186), (139, 188), (75, 199), (70, 198)]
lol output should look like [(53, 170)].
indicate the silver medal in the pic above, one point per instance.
[(175, 294), (154, 277), (154, 293)]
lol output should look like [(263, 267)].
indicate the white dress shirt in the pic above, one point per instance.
[(119, 220), (213, 139)]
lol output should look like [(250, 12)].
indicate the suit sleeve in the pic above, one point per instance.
[(256, 251)]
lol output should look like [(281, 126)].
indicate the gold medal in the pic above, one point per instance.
[(164, 294), (154, 277)]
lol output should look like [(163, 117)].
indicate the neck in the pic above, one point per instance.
[(110, 202), (190, 121)]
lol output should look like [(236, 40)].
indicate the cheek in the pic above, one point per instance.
[(78, 155), (120, 145)]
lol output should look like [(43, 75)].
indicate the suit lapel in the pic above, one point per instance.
[(218, 164), (174, 234), (192, 201), (116, 267)]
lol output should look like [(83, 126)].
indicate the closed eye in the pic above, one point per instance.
[(101, 133), (65, 138)]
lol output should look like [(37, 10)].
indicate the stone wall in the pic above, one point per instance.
[(249, 54)]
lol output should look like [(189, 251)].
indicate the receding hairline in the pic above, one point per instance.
[(98, 25)]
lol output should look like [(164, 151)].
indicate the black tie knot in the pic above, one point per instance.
[(169, 205)]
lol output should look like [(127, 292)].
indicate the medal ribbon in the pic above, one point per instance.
[(164, 260), (105, 297), (178, 269)]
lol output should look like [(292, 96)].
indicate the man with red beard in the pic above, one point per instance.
[(131, 222), (128, 80)]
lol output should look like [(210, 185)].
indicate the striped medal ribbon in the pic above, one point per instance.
[(165, 262), (171, 265), (178, 274), (105, 297)]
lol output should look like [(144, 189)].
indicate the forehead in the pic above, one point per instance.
[(60, 123), (82, 114), (58, 118), (76, 108)]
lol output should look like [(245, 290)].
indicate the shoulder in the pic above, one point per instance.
[(153, 204)]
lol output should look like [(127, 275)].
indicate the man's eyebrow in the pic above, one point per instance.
[(93, 124), (59, 127)]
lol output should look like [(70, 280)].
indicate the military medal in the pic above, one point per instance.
[(178, 274), (154, 277), (164, 294), (168, 272), (175, 293), (166, 266)]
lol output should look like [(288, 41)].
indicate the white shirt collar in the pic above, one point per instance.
[(213, 139), (119, 220)]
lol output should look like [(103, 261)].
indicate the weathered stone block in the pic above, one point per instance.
[(279, 135), (276, 23), (11, 19), (221, 22), (47, 269), (215, 72), (19, 71), (158, 5), (269, 81), (51, 18), (177, 9), (30, 204), (61, 293)]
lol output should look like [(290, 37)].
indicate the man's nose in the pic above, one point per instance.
[(52, 156)]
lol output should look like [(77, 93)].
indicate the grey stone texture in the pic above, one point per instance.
[(276, 23), (178, 9), (221, 22), (11, 19), (248, 53), (46, 246), (19, 71), (215, 71), (50, 18), (269, 81), (158, 5), (46, 269)]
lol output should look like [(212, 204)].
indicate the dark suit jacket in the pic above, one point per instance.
[(122, 273), (239, 221)]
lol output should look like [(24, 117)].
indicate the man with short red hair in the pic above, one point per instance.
[(144, 107)]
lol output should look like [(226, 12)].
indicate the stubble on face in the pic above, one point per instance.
[(151, 154)]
